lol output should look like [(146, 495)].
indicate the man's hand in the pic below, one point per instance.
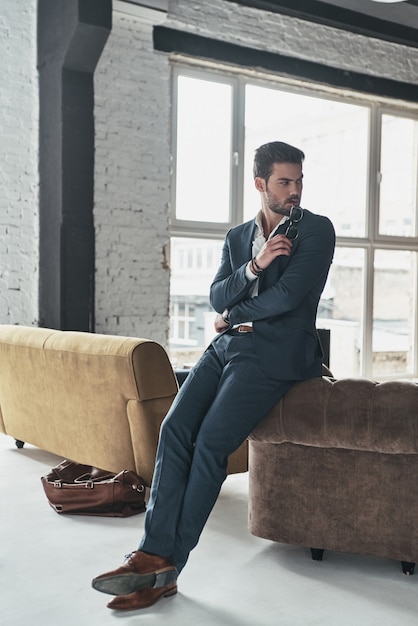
[(220, 323), (279, 245)]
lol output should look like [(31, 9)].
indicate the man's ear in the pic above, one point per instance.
[(260, 183)]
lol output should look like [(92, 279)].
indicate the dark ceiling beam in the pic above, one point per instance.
[(175, 41), (337, 17)]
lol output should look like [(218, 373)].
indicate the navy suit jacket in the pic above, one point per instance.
[(284, 311)]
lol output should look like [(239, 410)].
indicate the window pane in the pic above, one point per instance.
[(203, 162), (340, 311), (393, 312), (398, 187), (194, 263), (334, 137)]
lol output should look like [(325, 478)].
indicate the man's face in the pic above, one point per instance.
[(284, 187)]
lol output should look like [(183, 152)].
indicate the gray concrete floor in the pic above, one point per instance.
[(232, 578)]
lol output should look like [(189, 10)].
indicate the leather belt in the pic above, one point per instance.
[(239, 330)]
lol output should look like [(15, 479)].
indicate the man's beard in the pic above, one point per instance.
[(279, 207), (276, 207)]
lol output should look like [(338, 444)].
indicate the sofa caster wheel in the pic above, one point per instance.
[(408, 568), (19, 443), (317, 554)]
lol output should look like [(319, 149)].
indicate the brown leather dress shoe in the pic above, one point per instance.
[(139, 570), (142, 599)]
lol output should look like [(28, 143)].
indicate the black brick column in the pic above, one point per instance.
[(71, 38)]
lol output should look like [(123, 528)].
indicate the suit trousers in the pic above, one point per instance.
[(224, 397)]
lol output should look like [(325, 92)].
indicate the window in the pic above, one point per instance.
[(334, 138), (393, 334), (398, 176), (194, 262), (360, 171), (203, 151)]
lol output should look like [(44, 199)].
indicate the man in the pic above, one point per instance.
[(266, 293)]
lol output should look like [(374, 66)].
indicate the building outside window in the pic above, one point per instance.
[(360, 171)]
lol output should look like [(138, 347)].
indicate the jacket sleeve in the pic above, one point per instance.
[(305, 274), (229, 286)]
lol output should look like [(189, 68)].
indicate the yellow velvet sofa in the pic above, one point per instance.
[(90, 398)]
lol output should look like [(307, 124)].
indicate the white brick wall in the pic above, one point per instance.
[(132, 87), (296, 38), (18, 163)]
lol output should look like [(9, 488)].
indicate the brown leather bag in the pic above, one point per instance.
[(85, 490)]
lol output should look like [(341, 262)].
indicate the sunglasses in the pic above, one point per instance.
[(295, 215)]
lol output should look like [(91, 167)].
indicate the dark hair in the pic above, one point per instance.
[(274, 152)]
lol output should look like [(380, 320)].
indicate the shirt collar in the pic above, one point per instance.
[(259, 224)]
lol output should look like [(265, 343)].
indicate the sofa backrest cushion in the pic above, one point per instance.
[(74, 393), (351, 413)]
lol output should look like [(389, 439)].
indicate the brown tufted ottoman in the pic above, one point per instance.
[(335, 466)]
